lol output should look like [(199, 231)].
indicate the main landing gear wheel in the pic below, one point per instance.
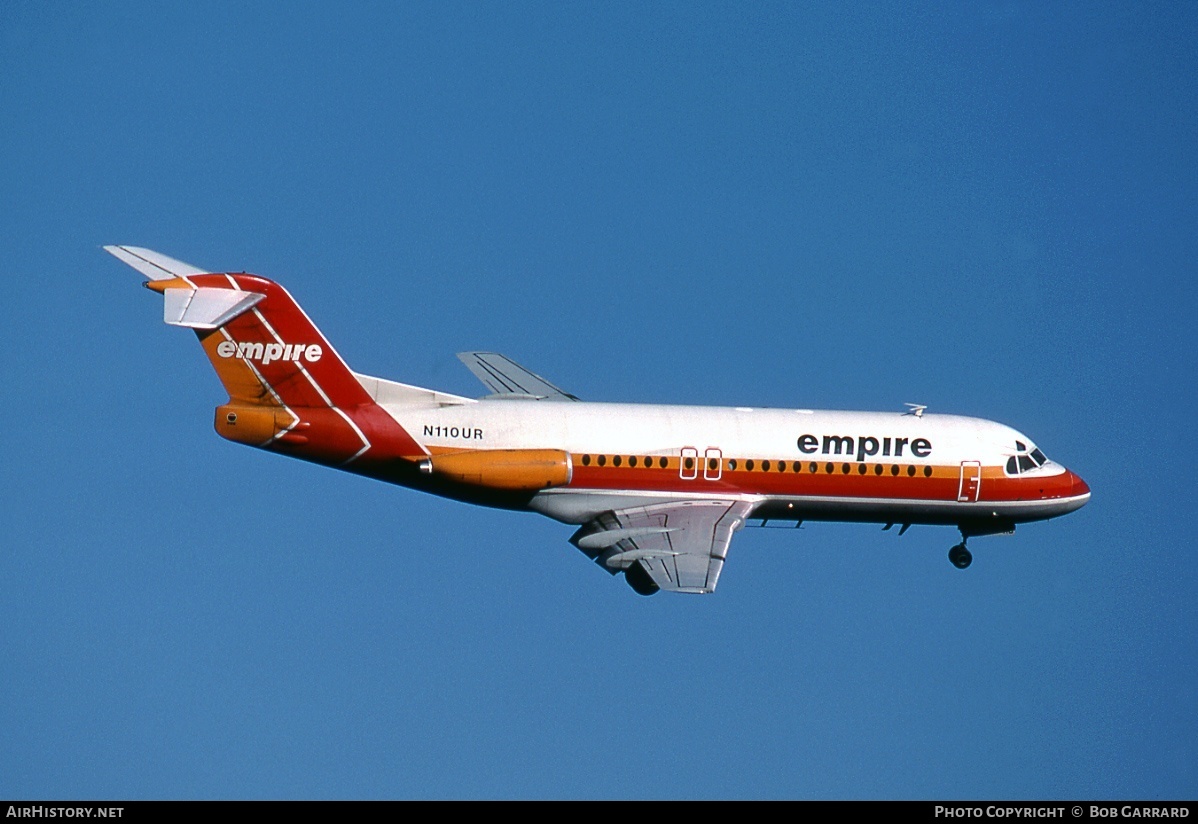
[(640, 581), (960, 557)]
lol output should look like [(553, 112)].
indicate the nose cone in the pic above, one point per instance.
[(1068, 494), (1080, 489)]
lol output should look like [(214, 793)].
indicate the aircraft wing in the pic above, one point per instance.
[(506, 378), (680, 545)]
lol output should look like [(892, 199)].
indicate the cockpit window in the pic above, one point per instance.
[(1025, 461)]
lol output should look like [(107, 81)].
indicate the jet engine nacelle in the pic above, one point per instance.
[(526, 470)]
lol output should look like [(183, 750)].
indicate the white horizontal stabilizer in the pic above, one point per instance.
[(153, 265)]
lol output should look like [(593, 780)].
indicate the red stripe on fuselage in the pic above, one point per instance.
[(944, 484)]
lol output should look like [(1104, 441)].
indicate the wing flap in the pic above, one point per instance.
[(682, 545)]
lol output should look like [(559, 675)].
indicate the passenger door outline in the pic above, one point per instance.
[(971, 482), (713, 453), (691, 472)]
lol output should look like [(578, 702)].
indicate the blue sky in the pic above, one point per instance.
[(988, 208)]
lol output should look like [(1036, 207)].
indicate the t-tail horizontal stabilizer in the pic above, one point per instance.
[(152, 264)]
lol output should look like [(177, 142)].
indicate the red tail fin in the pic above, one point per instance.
[(274, 351), (288, 388)]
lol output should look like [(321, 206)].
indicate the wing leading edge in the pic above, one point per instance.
[(678, 546)]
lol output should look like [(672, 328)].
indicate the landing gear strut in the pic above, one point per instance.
[(959, 556)]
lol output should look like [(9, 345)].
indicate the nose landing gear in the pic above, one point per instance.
[(959, 556)]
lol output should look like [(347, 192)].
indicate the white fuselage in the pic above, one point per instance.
[(821, 464)]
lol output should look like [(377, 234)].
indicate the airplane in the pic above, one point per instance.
[(655, 491)]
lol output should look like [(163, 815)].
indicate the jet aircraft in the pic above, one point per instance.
[(655, 491)]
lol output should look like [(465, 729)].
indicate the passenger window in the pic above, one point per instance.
[(910, 472), (877, 469), (586, 460), (749, 464), (798, 467), (663, 462), (632, 460), (765, 466), (814, 468), (602, 460), (689, 463), (830, 468), (927, 471), (732, 463), (861, 469), (845, 469), (894, 469)]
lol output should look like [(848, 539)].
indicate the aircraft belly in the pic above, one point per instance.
[(571, 507), (913, 512), (579, 506)]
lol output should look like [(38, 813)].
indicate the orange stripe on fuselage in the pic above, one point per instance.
[(943, 485)]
